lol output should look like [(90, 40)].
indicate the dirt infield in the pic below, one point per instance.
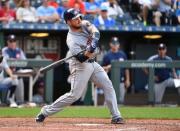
[(86, 124)]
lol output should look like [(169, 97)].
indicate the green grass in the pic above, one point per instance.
[(99, 112)]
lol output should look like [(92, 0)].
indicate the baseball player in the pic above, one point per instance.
[(115, 54), (11, 51), (10, 82), (163, 77), (83, 35)]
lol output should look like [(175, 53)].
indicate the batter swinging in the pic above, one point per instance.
[(83, 35)]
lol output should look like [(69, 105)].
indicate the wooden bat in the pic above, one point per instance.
[(53, 65)]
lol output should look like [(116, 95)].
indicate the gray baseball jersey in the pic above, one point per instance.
[(81, 73)]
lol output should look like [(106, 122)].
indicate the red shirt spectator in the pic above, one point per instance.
[(53, 3), (6, 14), (77, 4)]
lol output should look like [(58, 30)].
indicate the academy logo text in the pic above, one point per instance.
[(152, 65)]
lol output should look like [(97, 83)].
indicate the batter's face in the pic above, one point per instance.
[(75, 23)]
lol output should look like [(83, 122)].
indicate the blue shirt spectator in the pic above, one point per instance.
[(64, 6), (47, 13), (103, 20), (178, 9), (91, 7), (178, 12), (99, 2)]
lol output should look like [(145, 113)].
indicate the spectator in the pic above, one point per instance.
[(6, 14), (177, 9), (163, 77), (114, 10), (63, 6), (10, 82), (26, 13), (53, 3), (162, 13), (92, 8), (115, 54), (77, 4), (47, 13), (103, 20), (99, 2), (11, 51), (147, 6)]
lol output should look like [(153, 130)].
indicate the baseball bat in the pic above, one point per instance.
[(53, 65), (56, 63)]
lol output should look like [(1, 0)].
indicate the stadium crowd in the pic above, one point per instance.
[(105, 13)]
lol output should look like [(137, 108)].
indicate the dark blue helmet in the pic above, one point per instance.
[(71, 14)]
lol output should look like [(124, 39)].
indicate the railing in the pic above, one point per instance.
[(115, 72)]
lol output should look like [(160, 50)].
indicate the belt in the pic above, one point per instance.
[(91, 60)]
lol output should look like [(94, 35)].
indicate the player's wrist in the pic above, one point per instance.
[(90, 49), (82, 57)]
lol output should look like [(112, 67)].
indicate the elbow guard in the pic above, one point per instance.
[(81, 57)]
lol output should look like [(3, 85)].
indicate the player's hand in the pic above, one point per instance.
[(91, 44), (88, 54)]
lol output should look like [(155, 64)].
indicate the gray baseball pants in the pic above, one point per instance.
[(159, 89), (122, 92), (81, 73)]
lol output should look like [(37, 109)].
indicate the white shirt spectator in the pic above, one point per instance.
[(26, 14), (148, 3), (114, 11)]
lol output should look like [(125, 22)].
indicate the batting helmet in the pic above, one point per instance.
[(71, 14)]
